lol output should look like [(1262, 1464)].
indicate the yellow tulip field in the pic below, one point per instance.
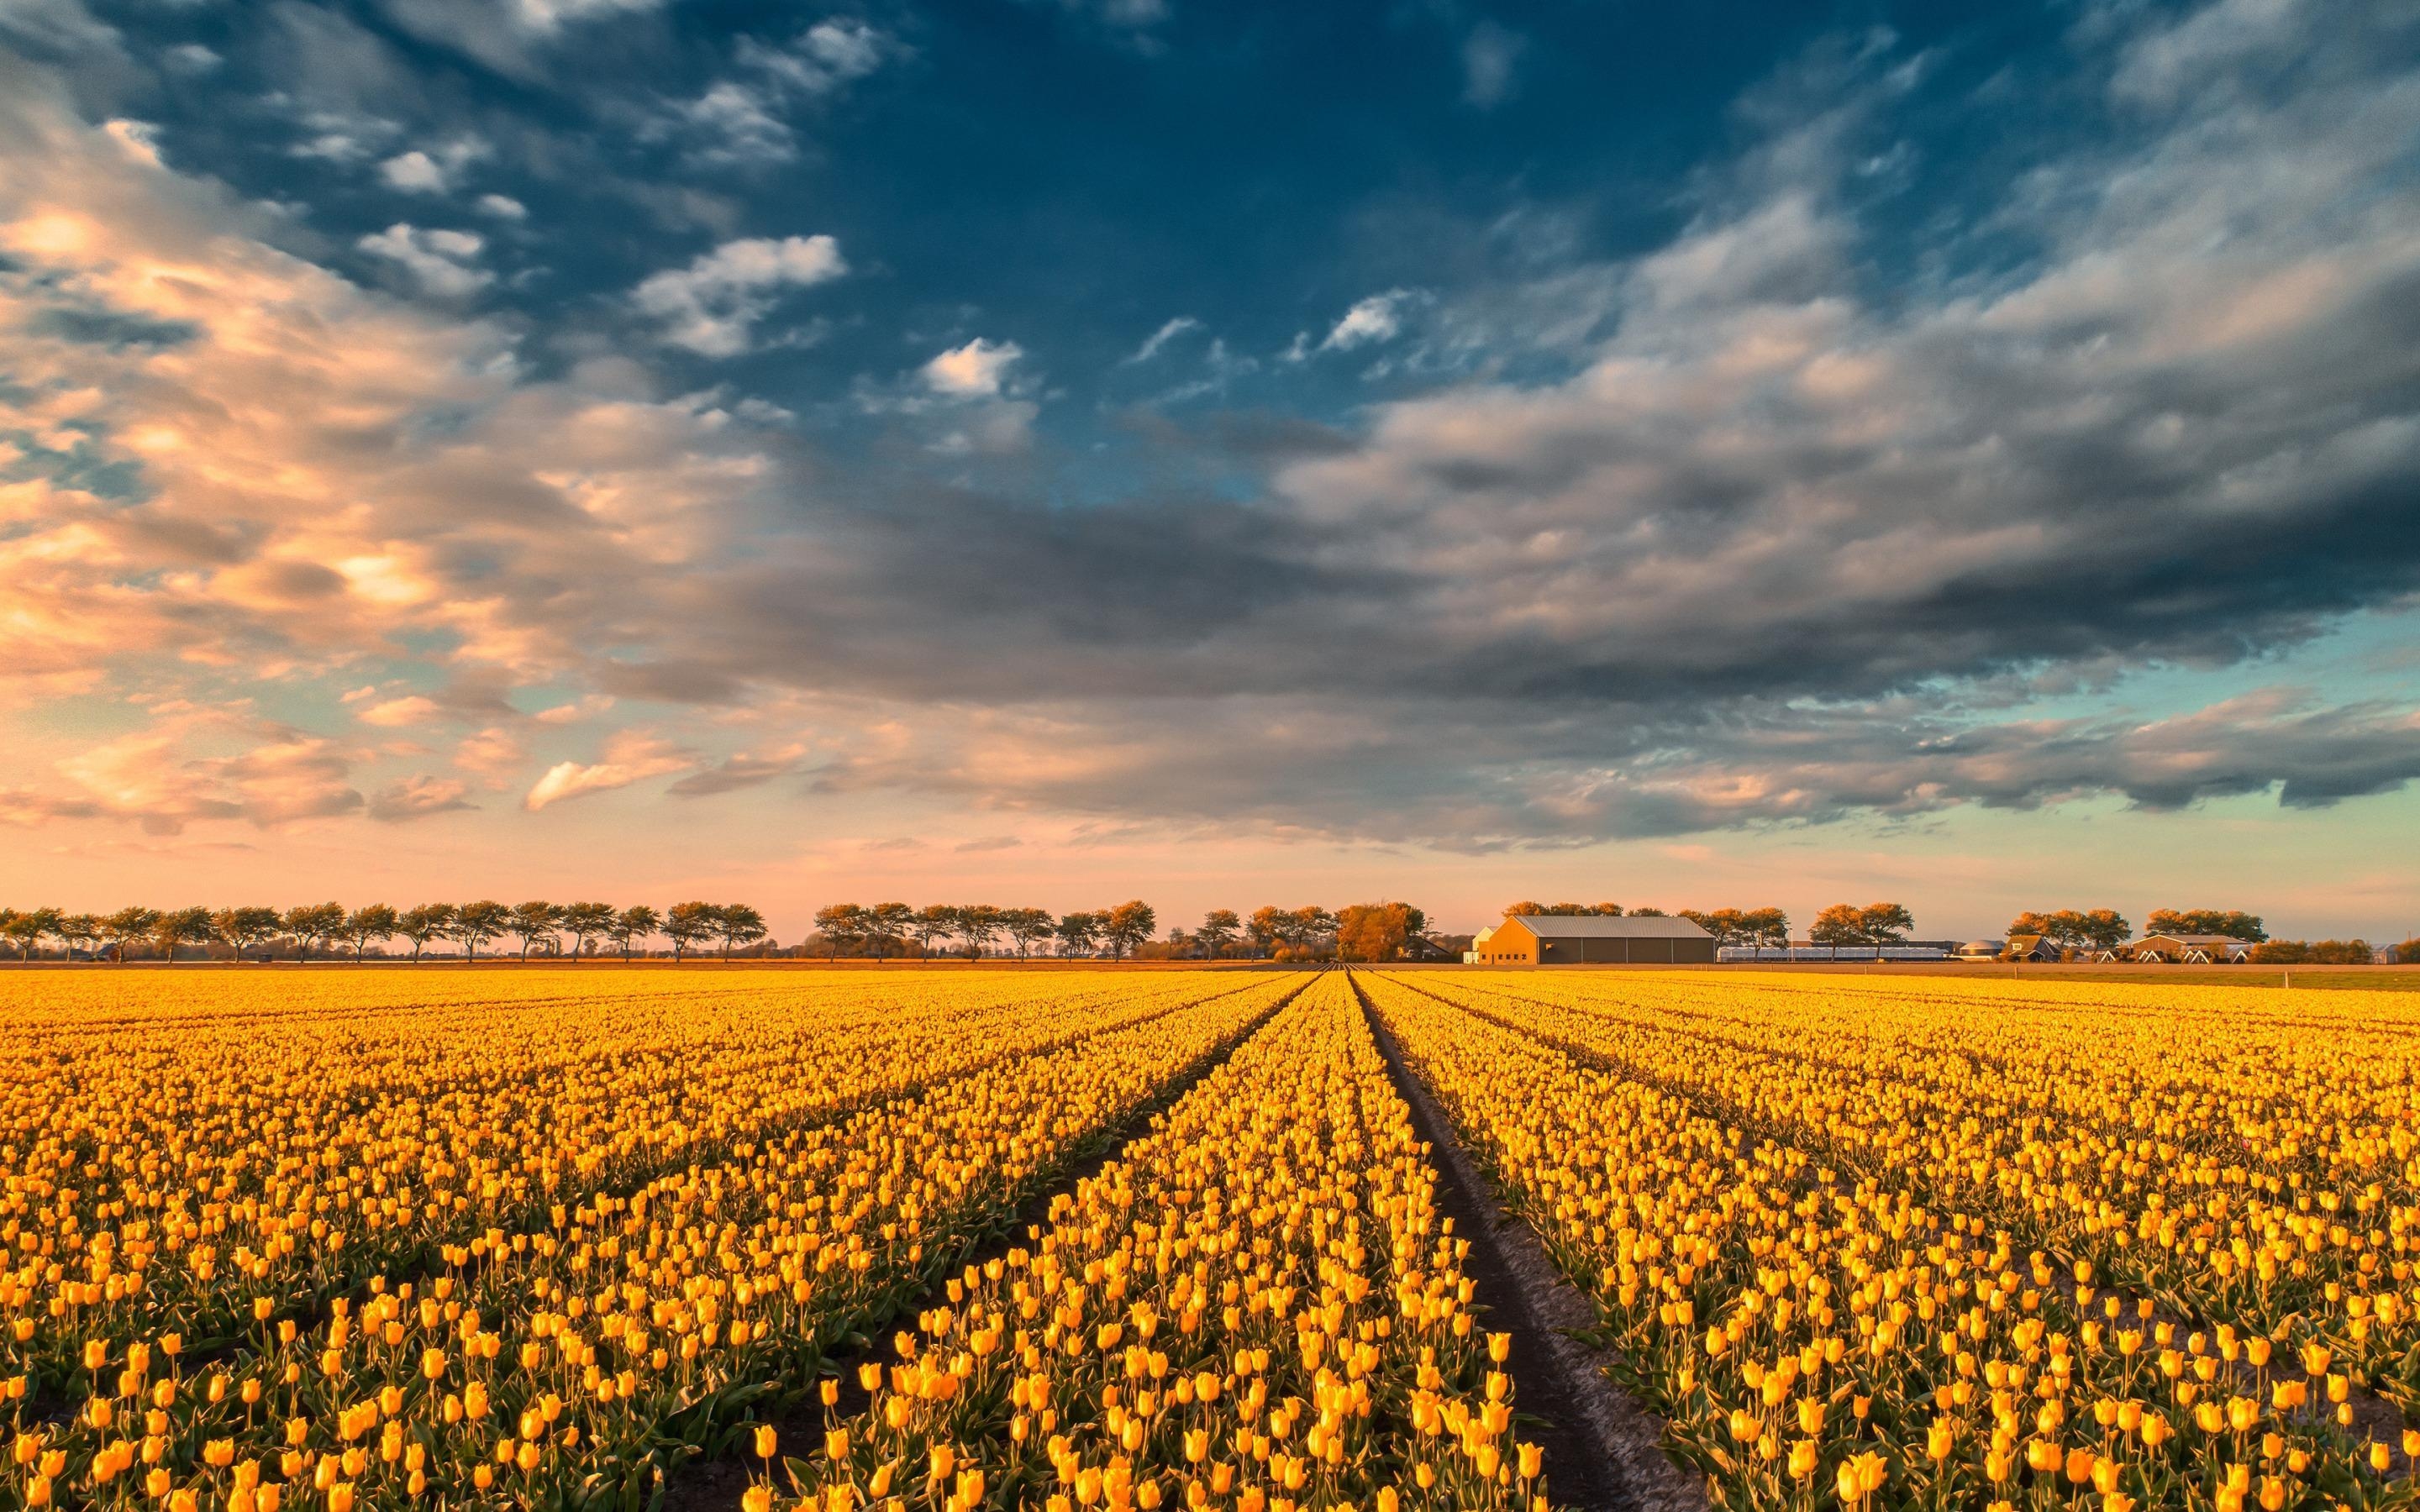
[(514, 1247), (1256, 1306), (330, 1241), (1960, 1243)]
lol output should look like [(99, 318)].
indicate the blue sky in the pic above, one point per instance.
[(1431, 449)]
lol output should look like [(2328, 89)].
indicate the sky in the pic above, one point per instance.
[(1056, 451)]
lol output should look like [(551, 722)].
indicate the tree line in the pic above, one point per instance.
[(883, 929), (1364, 932), (1757, 928), (308, 927)]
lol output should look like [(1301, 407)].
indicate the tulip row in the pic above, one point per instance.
[(2240, 1158), (1778, 1211), (575, 1354), (1256, 1306), (154, 1181)]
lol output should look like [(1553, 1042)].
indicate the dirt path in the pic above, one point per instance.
[(1602, 1449)]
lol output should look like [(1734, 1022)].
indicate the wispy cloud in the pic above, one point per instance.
[(1154, 343), (975, 370), (442, 262), (1489, 55), (1372, 320), (629, 757), (712, 305), (744, 118)]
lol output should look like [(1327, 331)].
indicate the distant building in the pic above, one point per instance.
[(2029, 948), (1593, 939), (2189, 949)]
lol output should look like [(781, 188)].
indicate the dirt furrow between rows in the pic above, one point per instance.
[(1602, 1449), (714, 1483)]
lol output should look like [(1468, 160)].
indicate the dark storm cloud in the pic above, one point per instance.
[(1481, 776), (1677, 582)]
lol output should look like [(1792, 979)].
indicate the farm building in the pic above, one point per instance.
[(1554, 940), (1477, 951), (2029, 948), (2189, 949)]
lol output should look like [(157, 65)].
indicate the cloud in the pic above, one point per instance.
[(742, 122), (1817, 510), (975, 370), (1494, 774), (417, 798), (139, 140), (712, 305), (629, 757), (577, 710), (504, 207), (420, 172), (744, 119), (246, 469), (490, 753), (826, 56), (1157, 339), (1377, 319), (56, 27), (1488, 55), (552, 15), (415, 171), (397, 713), (507, 35), (439, 260), (745, 769), (193, 766), (1121, 15)]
